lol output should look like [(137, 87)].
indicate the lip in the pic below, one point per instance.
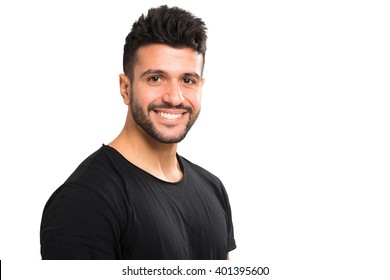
[(170, 110), (170, 115)]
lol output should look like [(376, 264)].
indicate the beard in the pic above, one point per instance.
[(144, 121)]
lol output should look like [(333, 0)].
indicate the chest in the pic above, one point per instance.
[(177, 222)]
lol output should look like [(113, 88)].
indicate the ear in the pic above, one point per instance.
[(125, 88)]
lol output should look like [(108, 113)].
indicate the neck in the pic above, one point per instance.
[(156, 158)]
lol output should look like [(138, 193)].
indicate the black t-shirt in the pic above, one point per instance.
[(111, 209)]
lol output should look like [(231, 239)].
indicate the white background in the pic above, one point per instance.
[(295, 122)]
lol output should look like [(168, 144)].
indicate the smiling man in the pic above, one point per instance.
[(136, 198)]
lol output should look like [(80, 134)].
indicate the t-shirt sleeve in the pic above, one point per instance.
[(77, 223), (231, 242), (224, 198)]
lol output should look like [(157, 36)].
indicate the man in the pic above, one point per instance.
[(136, 198)]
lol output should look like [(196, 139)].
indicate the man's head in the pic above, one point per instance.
[(163, 64), (174, 27)]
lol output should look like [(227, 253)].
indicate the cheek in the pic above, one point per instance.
[(197, 102), (143, 98), (194, 99)]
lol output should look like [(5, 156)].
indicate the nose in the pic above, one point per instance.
[(173, 94)]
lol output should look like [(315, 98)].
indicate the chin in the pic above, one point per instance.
[(169, 139)]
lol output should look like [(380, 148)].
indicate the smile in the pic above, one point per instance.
[(168, 116)]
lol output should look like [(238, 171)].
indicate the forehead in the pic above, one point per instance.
[(168, 59)]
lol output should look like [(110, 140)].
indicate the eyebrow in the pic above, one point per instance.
[(195, 75), (161, 72), (152, 71)]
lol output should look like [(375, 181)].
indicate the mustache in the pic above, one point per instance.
[(152, 107)]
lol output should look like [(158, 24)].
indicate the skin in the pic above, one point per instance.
[(169, 80)]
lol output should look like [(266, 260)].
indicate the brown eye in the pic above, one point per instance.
[(188, 81), (154, 79)]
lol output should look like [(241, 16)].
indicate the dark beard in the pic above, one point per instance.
[(143, 120)]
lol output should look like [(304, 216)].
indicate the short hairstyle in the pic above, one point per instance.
[(174, 27)]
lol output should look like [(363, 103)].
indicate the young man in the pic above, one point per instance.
[(136, 198)]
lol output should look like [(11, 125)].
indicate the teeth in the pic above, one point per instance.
[(169, 116)]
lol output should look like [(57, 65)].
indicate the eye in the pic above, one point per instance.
[(154, 79), (189, 81)]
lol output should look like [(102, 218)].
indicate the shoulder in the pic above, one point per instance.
[(96, 177), (94, 167), (206, 180), (194, 169), (204, 177), (103, 170)]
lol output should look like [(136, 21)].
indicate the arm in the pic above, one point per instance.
[(78, 224)]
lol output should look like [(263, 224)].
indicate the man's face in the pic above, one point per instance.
[(166, 91)]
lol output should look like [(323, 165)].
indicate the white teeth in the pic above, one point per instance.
[(169, 116)]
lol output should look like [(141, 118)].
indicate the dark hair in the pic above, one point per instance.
[(171, 26)]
